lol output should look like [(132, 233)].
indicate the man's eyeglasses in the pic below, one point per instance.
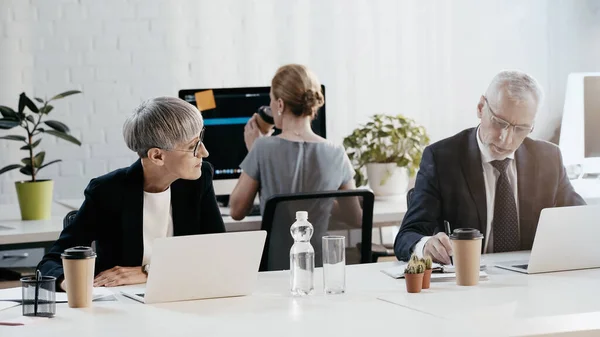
[(500, 124), (196, 146)]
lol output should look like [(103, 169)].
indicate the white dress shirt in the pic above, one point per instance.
[(157, 220), (490, 177)]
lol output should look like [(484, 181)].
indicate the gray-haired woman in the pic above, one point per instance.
[(167, 192)]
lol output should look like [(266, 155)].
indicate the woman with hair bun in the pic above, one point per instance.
[(295, 161)]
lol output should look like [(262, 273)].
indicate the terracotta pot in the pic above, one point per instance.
[(414, 282), (427, 279)]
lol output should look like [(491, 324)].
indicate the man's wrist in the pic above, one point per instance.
[(419, 249)]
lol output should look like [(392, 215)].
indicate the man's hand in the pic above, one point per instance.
[(120, 276), (439, 248)]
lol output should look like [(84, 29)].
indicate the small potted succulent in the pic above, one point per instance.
[(428, 263), (35, 195), (413, 275)]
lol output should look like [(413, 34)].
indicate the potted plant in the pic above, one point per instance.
[(413, 275), (35, 196), (390, 148), (428, 263)]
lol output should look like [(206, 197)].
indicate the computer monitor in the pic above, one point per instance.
[(224, 122), (580, 138)]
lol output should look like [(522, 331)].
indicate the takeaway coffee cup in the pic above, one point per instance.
[(466, 245), (265, 119), (78, 265)]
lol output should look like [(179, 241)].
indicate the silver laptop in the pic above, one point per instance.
[(202, 266), (566, 239)]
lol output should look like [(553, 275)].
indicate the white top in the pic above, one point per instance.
[(490, 177), (158, 220)]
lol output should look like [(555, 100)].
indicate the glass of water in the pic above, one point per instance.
[(334, 264)]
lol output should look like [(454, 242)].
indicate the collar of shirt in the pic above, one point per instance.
[(486, 156)]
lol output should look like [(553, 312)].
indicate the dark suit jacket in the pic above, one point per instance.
[(450, 186), (112, 215)]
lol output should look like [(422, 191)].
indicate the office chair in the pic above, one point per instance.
[(388, 250), (68, 220), (409, 197), (350, 211)]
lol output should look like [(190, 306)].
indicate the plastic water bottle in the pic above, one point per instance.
[(302, 256)]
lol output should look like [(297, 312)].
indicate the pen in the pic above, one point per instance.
[(448, 232)]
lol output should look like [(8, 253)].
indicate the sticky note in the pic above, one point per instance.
[(205, 100)]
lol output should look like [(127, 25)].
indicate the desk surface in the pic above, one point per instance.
[(507, 304), (13, 230)]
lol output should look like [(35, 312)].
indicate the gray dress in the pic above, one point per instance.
[(282, 166)]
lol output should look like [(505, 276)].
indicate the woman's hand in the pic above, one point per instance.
[(252, 132), (120, 276)]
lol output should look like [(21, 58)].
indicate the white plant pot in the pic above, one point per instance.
[(387, 179)]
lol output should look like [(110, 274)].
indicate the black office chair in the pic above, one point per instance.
[(69, 218), (409, 196), (349, 210), (388, 250)]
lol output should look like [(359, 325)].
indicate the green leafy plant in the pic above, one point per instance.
[(31, 122), (386, 139), (415, 265)]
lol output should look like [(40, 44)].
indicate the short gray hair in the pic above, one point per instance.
[(161, 122), (517, 85)]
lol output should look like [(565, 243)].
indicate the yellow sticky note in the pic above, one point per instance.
[(205, 100)]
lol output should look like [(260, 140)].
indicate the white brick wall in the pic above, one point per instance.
[(426, 59)]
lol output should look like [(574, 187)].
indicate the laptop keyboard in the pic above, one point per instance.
[(141, 295), (522, 266)]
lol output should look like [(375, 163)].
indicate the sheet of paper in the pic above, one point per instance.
[(205, 100), (397, 271), (7, 304), (15, 294), (22, 320)]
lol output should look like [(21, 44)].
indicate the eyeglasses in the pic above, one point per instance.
[(500, 124), (196, 147)]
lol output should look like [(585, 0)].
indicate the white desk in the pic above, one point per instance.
[(14, 231), (589, 189), (508, 304)]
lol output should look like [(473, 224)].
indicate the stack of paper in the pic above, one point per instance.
[(440, 272), (16, 295)]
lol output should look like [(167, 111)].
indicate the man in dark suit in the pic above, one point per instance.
[(492, 177)]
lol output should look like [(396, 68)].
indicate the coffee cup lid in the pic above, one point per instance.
[(79, 252), (466, 234)]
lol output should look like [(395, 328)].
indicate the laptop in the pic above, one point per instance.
[(201, 267), (566, 239)]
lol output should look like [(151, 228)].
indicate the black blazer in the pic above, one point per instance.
[(112, 215), (450, 186)]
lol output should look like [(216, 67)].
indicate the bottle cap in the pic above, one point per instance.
[(302, 215)]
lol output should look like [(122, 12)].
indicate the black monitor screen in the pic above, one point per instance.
[(224, 135)]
